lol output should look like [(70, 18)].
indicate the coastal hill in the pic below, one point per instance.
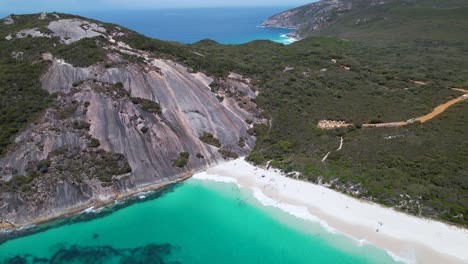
[(93, 112), (371, 20), (86, 119)]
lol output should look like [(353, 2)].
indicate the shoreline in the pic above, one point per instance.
[(404, 237), (95, 204)]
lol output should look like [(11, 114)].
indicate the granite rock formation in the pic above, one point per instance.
[(117, 128)]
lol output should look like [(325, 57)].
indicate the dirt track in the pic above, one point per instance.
[(329, 124)]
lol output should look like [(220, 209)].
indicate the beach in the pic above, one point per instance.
[(405, 237)]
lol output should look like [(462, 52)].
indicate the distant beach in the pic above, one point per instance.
[(406, 237)]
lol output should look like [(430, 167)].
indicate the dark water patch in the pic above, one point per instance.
[(88, 216), (151, 253)]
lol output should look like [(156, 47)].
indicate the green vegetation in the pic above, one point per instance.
[(67, 111), (21, 96), (241, 142), (182, 160), (208, 138), (147, 105), (370, 82), (378, 87), (43, 166), (396, 20), (228, 154), (94, 143), (83, 53)]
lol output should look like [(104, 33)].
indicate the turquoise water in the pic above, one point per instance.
[(188, 25), (194, 222), (224, 25)]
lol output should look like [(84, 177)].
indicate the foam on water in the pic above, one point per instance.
[(299, 212), (201, 221)]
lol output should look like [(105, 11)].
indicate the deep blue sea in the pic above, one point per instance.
[(224, 25)]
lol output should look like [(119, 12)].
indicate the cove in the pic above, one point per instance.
[(193, 222)]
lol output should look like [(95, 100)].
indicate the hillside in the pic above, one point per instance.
[(86, 119), (420, 168), (374, 20), (92, 112)]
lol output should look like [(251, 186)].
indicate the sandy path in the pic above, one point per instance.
[(437, 111)]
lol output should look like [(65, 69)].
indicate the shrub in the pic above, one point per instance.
[(81, 125), (209, 139), (228, 154), (94, 143), (241, 142), (43, 166), (182, 160), (118, 85), (147, 105)]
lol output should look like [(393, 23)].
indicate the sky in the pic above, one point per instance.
[(34, 6)]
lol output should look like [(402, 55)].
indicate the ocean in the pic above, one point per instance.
[(193, 222), (224, 25)]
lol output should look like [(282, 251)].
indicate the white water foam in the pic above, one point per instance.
[(288, 40), (216, 178), (92, 210), (300, 212)]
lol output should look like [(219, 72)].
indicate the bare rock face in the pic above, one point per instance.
[(115, 130), (313, 18), (316, 14), (8, 21), (35, 33), (43, 16), (72, 30)]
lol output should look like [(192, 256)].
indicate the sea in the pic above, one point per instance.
[(195, 221), (236, 25)]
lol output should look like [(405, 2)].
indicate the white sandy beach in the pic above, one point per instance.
[(416, 240)]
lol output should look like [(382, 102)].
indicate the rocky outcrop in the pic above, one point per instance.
[(311, 19), (8, 21), (116, 129), (315, 15), (72, 30)]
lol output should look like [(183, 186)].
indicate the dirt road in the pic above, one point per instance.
[(330, 124)]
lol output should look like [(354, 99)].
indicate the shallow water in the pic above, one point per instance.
[(194, 222)]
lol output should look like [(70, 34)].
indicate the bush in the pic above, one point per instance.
[(241, 142), (209, 139), (81, 125), (43, 166), (147, 105), (119, 85), (182, 161), (228, 154), (94, 143)]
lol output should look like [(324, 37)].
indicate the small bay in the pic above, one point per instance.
[(224, 25), (194, 222)]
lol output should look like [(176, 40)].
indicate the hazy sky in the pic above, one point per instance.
[(33, 6)]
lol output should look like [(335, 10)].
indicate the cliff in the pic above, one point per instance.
[(124, 123)]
